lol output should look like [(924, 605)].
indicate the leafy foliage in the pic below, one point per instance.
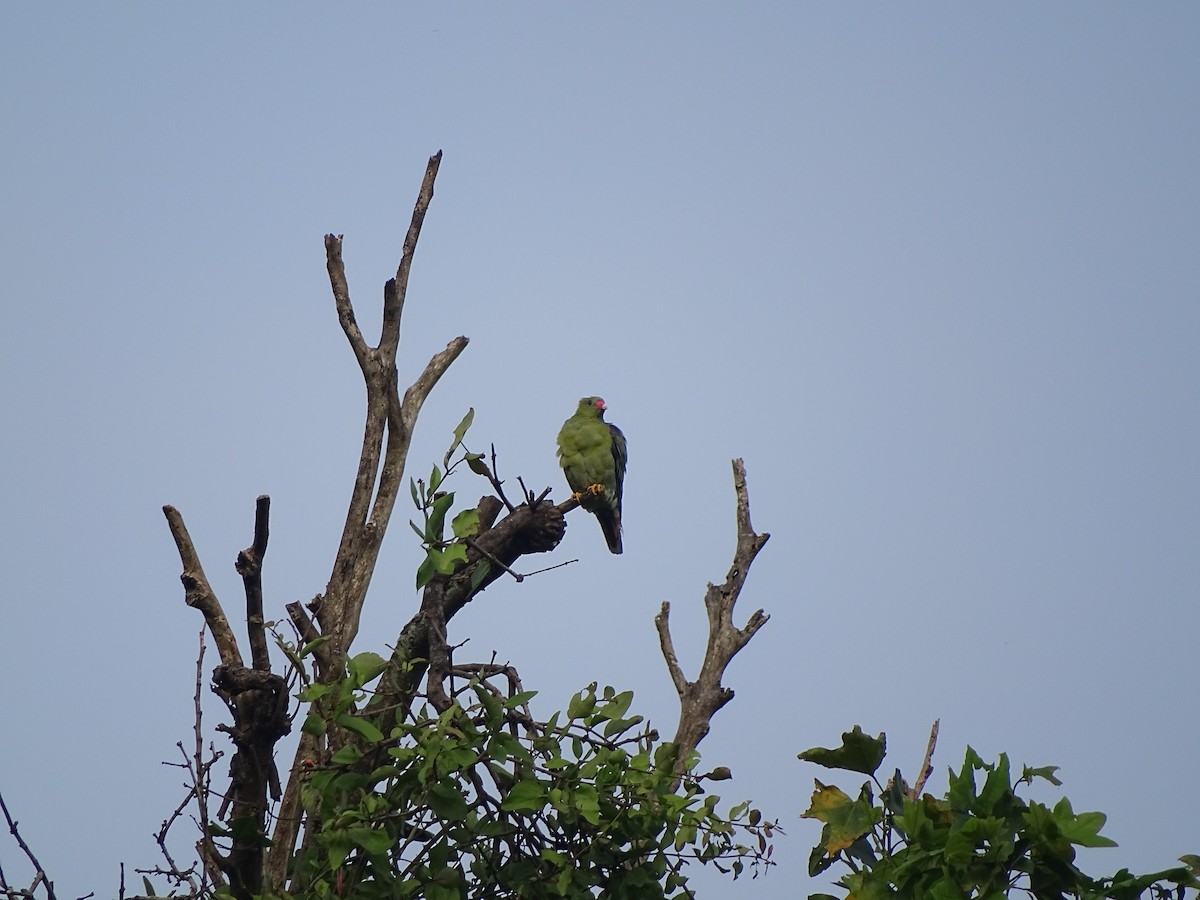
[(982, 840), (481, 800), (444, 557)]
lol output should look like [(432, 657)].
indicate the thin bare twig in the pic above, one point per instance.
[(39, 877), (517, 576), (200, 780)]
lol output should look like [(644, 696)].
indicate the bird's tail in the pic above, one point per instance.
[(611, 526)]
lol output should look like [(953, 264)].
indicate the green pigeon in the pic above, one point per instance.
[(592, 453)]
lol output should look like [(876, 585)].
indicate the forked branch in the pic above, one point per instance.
[(387, 434), (380, 469), (699, 700)]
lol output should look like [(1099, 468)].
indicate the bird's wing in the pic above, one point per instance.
[(620, 454)]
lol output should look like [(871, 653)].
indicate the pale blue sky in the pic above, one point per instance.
[(931, 269)]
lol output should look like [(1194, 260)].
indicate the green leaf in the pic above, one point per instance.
[(582, 704), (314, 725), (412, 486), (365, 667), (437, 518), (616, 707), (479, 573), (150, 892), (525, 796), (362, 727), (459, 433), (519, 699), (427, 569), (1046, 772), (859, 753), (453, 557), (346, 756), (447, 801), (962, 785), (313, 645), (466, 523), (1082, 829), (476, 464), (435, 479), (373, 840), (845, 820), (995, 788), (314, 691), (587, 801)]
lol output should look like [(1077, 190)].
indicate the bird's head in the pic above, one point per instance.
[(594, 405)]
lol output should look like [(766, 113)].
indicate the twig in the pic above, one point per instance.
[(39, 877), (497, 484), (161, 837), (200, 773), (550, 568), (517, 577)]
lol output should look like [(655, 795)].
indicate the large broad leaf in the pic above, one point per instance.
[(1082, 829), (525, 796), (859, 753), (447, 801), (365, 667), (466, 523), (845, 820)]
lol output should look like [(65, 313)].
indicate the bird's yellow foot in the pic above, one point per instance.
[(577, 496), (595, 489)]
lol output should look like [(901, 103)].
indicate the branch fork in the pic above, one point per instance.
[(699, 700)]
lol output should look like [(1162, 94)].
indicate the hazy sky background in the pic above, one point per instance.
[(932, 269)]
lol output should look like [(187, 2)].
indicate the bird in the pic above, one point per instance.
[(592, 453)]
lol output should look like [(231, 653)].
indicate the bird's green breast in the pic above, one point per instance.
[(585, 448)]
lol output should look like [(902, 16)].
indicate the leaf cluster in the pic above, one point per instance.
[(481, 800), (981, 840), (443, 557)]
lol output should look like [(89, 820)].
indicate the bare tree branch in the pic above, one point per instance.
[(249, 566), (39, 874), (257, 698), (914, 793), (380, 472), (341, 299), (699, 700), (377, 484), (198, 593)]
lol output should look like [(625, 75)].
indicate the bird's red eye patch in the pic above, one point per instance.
[(599, 403)]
